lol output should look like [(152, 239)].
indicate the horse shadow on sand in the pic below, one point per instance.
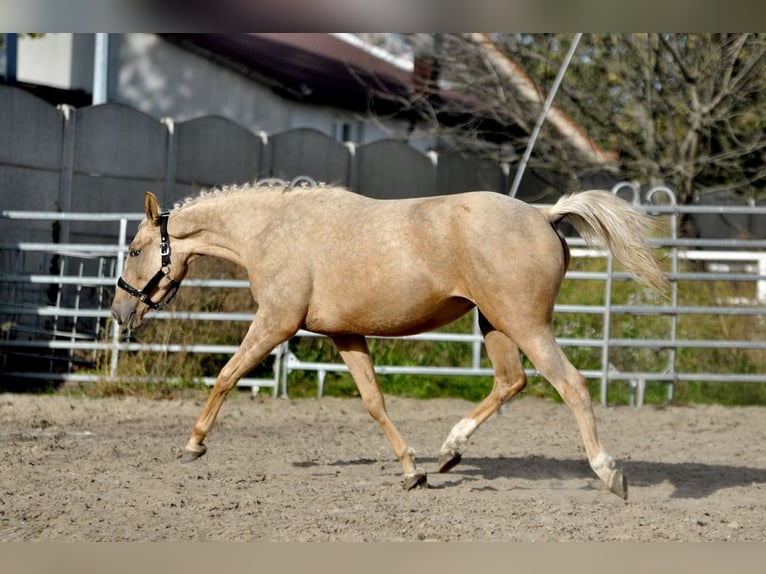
[(689, 479)]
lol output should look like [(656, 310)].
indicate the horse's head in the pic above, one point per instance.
[(152, 273)]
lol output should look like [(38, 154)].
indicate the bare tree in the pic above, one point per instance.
[(470, 92), (684, 110)]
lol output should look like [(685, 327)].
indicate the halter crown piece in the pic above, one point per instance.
[(144, 295)]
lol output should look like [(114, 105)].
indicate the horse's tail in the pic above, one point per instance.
[(603, 218)]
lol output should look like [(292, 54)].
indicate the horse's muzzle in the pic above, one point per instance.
[(125, 314)]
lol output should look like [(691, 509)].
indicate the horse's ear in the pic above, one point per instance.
[(151, 207)]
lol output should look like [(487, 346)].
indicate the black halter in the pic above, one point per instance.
[(144, 295)]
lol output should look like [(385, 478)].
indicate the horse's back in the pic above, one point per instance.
[(465, 232), (349, 212)]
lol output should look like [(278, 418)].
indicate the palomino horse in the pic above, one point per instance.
[(346, 266)]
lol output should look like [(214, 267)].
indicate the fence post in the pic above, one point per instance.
[(636, 191), (650, 197), (171, 169), (122, 238), (267, 157), (353, 173), (434, 157), (67, 166), (607, 327)]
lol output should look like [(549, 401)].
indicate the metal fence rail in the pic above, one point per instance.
[(50, 331)]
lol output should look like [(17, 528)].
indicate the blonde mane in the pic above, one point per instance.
[(227, 190), (270, 185)]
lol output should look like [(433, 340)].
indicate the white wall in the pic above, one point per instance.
[(162, 79), (58, 60)]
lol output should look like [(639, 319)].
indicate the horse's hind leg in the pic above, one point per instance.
[(509, 380), (356, 355), (542, 349)]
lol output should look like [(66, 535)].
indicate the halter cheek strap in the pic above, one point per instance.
[(144, 295)]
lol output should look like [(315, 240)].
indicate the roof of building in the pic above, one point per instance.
[(325, 69)]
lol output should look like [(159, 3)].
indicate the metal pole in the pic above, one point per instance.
[(121, 239), (607, 329), (101, 69), (11, 58), (543, 114)]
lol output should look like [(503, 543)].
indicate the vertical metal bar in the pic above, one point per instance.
[(285, 369), (171, 167), (635, 190), (55, 325), (120, 263), (673, 352), (99, 304), (11, 58), (607, 327), (101, 69), (16, 289), (352, 171), (267, 157), (67, 166), (674, 295), (279, 365), (77, 297), (477, 342), (543, 115)]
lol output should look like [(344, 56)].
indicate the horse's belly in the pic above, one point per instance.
[(388, 317)]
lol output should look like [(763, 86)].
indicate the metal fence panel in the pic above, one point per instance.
[(75, 321)]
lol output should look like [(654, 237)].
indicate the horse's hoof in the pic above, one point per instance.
[(448, 461), (191, 455), (418, 479), (619, 484)]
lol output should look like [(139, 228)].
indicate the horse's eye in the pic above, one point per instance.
[(135, 252)]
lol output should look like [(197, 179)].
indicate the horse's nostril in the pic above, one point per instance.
[(118, 315)]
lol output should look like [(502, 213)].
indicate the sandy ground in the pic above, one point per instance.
[(78, 469)]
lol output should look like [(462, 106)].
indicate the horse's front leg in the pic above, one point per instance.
[(356, 355), (255, 347)]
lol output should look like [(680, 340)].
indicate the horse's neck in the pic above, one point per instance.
[(219, 228)]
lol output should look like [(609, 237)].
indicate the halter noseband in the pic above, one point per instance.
[(144, 295)]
